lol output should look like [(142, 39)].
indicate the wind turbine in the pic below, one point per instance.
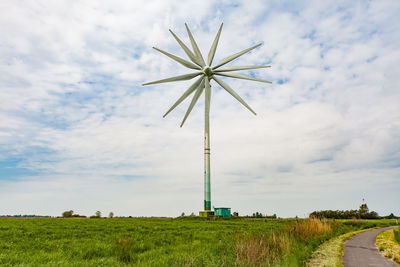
[(206, 73)]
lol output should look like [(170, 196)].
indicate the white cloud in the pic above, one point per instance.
[(73, 110)]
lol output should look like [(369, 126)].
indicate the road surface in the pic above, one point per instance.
[(361, 251)]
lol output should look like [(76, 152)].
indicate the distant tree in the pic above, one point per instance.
[(390, 216), (111, 215), (98, 214), (192, 214), (257, 215), (363, 210), (236, 214), (362, 213), (371, 215), (182, 214), (68, 213)]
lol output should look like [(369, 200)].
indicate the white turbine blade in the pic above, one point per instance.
[(195, 47), (188, 92), (240, 76), (214, 46), (179, 60), (194, 100), (187, 50), (233, 93), (234, 56), (176, 78), (234, 68)]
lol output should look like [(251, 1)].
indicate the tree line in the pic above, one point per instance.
[(260, 215), (362, 213), (71, 214)]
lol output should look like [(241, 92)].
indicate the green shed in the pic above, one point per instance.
[(223, 212)]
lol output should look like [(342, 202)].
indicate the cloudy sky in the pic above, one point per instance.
[(78, 131)]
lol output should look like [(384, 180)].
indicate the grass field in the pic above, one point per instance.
[(396, 233), (166, 242), (388, 244)]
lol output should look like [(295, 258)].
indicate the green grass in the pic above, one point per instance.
[(388, 245), (165, 242), (397, 235)]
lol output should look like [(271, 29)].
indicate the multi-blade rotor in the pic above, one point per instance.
[(206, 72)]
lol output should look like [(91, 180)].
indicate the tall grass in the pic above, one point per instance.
[(264, 250), (396, 233), (389, 245), (311, 228), (124, 249), (277, 247)]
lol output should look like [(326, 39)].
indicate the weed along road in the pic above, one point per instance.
[(361, 251)]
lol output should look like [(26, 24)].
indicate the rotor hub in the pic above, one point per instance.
[(208, 71)]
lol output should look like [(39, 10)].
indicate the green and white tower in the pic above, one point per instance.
[(207, 72)]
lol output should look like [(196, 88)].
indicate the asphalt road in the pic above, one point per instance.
[(361, 251)]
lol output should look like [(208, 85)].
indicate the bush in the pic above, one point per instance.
[(78, 216), (68, 214)]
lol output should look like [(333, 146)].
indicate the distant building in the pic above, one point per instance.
[(222, 212)]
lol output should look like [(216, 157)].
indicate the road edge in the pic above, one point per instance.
[(330, 253), (385, 244)]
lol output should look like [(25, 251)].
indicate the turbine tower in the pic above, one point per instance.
[(206, 73)]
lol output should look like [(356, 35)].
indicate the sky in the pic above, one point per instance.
[(79, 132)]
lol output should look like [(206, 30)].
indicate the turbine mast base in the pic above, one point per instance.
[(206, 214)]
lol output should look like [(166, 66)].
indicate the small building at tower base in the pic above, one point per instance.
[(222, 212)]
